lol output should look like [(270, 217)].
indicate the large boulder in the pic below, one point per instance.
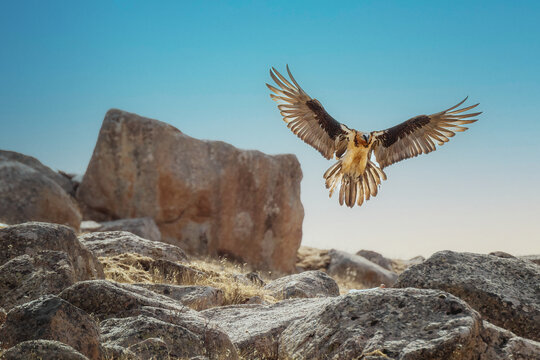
[(255, 329), (206, 196), (29, 191), (51, 318), (500, 344), (307, 284), (25, 278), (506, 291), (31, 238), (42, 350), (168, 337), (376, 258), (120, 242), (144, 227), (391, 323), (358, 269)]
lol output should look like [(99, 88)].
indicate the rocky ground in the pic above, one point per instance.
[(156, 254)]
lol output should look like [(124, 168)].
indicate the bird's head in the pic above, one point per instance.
[(361, 139)]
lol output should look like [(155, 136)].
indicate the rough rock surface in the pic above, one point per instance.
[(2, 316), (107, 299), (533, 258), (505, 291), (27, 277), (497, 343), (42, 350), (118, 242), (376, 258), (169, 338), (255, 329), (359, 269), (399, 323), (205, 196), (304, 285), (51, 318), (27, 194), (144, 227), (30, 238), (196, 297)]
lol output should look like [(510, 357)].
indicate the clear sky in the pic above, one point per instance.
[(201, 66)]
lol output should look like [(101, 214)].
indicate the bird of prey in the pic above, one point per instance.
[(357, 176)]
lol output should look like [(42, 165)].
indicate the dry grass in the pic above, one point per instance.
[(220, 274)]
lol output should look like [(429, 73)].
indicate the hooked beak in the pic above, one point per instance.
[(366, 137)]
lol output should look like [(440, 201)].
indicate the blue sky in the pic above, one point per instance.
[(201, 66)]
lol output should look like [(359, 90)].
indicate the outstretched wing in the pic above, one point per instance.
[(418, 135), (307, 118)]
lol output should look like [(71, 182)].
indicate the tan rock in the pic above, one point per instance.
[(27, 194), (205, 196)]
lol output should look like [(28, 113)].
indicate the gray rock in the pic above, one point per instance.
[(151, 348), (51, 318), (376, 258), (307, 284), (255, 329), (533, 258), (28, 277), (359, 269), (42, 350), (500, 344), (196, 297), (169, 339), (30, 238), (118, 242), (29, 195), (215, 340), (106, 299), (144, 227), (396, 323), (35, 164), (207, 197), (505, 291)]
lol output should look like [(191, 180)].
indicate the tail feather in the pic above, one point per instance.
[(354, 190)]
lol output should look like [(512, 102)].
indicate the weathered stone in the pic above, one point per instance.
[(359, 269), (144, 227), (118, 242), (151, 348), (376, 258), (304, 285), (28, 277), (501, 254), (106, 299), (205, 196), (30, 238), (196, 297), (62, 181), (51, 318), (308, 258), (500, 344), (255, 329), (171, 339), (42, 350), (214, 338), (27, 194), (505, 291), (394, 323), (533, 258)]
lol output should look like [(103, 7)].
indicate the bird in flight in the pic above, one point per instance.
[(357, 176)]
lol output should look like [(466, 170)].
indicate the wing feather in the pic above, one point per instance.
[(306, 117), (418, 135)]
